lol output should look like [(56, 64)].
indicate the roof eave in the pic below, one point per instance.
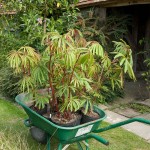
[(111, 3)]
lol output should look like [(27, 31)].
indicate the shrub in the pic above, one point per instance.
[(8, 83)]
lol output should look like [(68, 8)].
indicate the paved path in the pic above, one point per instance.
[(140, 129)]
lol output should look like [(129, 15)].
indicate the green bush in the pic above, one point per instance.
[(9, 83), (26, 27)]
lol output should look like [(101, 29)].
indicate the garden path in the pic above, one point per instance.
[(135, 92)]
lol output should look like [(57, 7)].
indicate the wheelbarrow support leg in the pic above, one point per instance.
[(99, 138), (48, 142), (86, 144), (60, 146), (79, 146)]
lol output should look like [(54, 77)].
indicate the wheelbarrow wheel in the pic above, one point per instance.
[(38, 134)]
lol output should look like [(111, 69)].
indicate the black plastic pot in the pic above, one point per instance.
[(38, 134), (75, 122), (39, 111), (85, 118), (47, 116)]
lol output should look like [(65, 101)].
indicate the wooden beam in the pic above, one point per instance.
[(86, 3), (8, 13), (110, 3), (126, 3)]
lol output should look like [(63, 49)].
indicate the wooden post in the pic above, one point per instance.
[(147, 37), (101, 13)]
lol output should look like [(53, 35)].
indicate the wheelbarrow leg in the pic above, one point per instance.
[(86, 144), (48, 142), (60, 146), (79, 146)]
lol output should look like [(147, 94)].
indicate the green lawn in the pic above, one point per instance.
[(15, 136)]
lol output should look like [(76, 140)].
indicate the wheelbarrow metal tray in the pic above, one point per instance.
[(59, 132)]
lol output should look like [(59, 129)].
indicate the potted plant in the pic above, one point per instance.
[(111, 69), (75, 70)]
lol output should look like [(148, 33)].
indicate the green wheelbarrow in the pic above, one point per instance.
[(69, 135)]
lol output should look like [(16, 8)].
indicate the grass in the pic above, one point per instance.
[(137, 107), (140, 108), (15, 136)]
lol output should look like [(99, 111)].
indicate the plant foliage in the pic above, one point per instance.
[(77, 71)]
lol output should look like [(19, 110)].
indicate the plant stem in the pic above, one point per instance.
[(23, 68), (62, 81), (51, 85), (29, 72), (72, 75)]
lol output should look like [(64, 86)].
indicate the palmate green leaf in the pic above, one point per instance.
[(92, 70), (27, 50), (130, 71), (63, 106), (123, 53), (45, 38), (82, 50), (119, 46), (61, 44), (80, 81), (41, 100), (121, 61), (70, 59), (96, 49), (125, 66), (64, 90), (116, 82), (69, 42), (73, 104), (54, 36), (118, 55), (40, 74), (91, 59), (106, 61), (112, 84), (83, 67), (26, 84), (51, 38), (147, 61), (46, 52), (87, 104), (115, 77), (77, 80), (24, 57), (14, 59), (86, 84), (84, 59), (131, 59)]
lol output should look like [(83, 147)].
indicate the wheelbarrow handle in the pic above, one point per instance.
[(122, 123)]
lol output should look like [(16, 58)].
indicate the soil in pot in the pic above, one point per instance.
[(89, 116), (72, 121), (47, 115), (39, 111)]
